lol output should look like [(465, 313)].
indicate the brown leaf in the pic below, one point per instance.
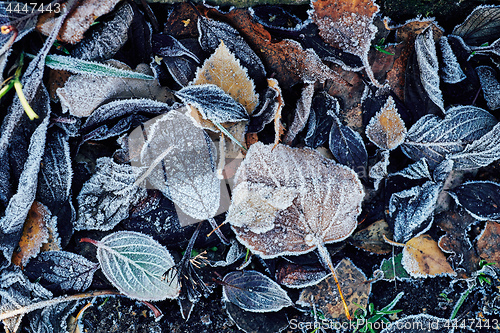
[(77, 21), (423, 258), (35, 233), (279, 129), (386, 129), (406, 35), (300, 276), (488, 244), (348, 25), (57, 79), (290, 201), (325, 295), (182, 21), (290, 63), (456, 242), (372, 238)]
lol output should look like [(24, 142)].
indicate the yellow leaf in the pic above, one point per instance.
[(423, 258), (386, 129)]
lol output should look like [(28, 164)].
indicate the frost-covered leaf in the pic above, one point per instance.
[(82, 94), (347, 146), (253, 291), (490, 86), (107, 196), (320, 120), (379, 170), (417, 170), (166, 45), (423, 258), (35, 233), (435, 138), (224, 70), (91, 68), (300, 276), (480, 198), (325, 295), (236, 251), (411, 211), (108, 38), (481, 26), (386, 129), (421, 323), (134, 263), (302, 111), (52, 319), (62, 271), (371, 239), (180, 158), (11, 224), (213, 103), (212, 32), (269, 110), (348, 26), (480, 152), (428, 63), (328, 200), (80, 19), (451, 71)]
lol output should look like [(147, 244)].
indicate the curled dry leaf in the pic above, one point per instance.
[(371, 238), (301, 199), (300, 276), (488, 244), (325, 295), (423, 258), (386, 129), (348, 25), (78, 21)]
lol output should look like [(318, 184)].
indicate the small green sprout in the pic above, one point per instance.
[(443, 295), (372, 315), (482, 45), (15, 82), (381, 47)]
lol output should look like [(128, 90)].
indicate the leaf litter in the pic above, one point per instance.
[(285, 200)]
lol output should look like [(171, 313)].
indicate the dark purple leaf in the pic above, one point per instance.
[(347, 146), (480, 198), (320, 119)]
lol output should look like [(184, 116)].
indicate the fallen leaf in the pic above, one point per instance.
[(35, 233), (298, 191), (451, 72), (371, 239), (325, 296), (481, 199), (134, 263), (423, 258), (300, 276), (456, 241), (393, 269), (224, 70), (82, 94), (490, 86), (320, 119), (302, 111), (77, 22), (62, 271), (386, 129), (348, 25), (290, 63), (253, 291), (488, 243), (481, 26), (435, 138)]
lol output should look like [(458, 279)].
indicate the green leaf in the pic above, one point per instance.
[(78, 66), (134, 263)]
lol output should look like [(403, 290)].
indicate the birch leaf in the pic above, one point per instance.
[(181, 163), (328, 200), (386, 129), (480, 198), (423, 258), (255, 292), (348, 25), (435, 138), (425, 49), (107, 196), (480, 152), (134, 263), (224, 70), (62, 271), (481, 26)]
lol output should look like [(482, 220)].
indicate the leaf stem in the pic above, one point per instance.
[(229, 135)]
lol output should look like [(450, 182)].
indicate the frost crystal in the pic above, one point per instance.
[(490, 86)]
